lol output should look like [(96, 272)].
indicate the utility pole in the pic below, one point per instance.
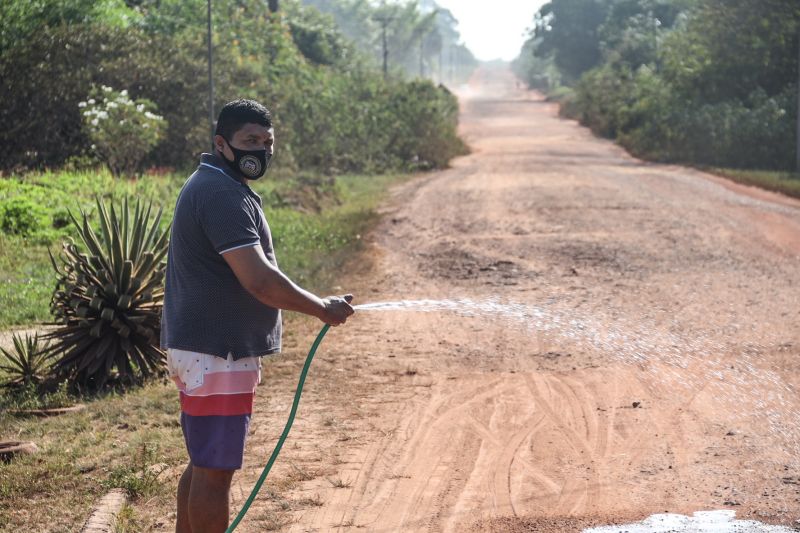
[(210, 81), (441, 63), (797, 166), (452, 66), (422, 58), (385, 53), (384, 20)]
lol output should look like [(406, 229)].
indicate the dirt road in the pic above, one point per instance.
[(658, 375)]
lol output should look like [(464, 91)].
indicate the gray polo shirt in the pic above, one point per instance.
[(206, 309)]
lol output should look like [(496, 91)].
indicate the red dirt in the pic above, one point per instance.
[(434, 422)]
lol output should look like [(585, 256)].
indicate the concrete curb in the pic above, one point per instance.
[(53, 411), (8, 449), (105, 513)]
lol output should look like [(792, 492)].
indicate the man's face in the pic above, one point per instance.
[(248, 137)]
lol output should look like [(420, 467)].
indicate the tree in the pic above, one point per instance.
[(633, 30), (569, 30), (731, 48), (412, 28)]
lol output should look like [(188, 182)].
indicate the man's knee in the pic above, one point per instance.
[(212, 476)]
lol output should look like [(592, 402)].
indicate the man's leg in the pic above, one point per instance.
[(209, 499), (182, 524), (215, 416)]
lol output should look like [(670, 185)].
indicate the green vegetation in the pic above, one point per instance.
[(315, 222), (35, 397), (421, 37), (117, 441), (704, 82), (25, 269), (108, 297), (25, 366), (787, 183), (139, 476), (334, 111), (122, 130)]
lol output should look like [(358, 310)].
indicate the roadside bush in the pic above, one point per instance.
[(604, 97), (652, 120), (743, 134), (21, 216), (708, 82), (537, 72), (361, 123), (424, 128), (122, 130), (43, 79), (565, 98), (329, 109)]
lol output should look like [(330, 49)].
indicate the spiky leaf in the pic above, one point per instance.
[(108, 296), (26, 364)]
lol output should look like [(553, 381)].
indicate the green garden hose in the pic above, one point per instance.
[(285, 433)]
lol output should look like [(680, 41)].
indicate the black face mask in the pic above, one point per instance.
[(252, 164)]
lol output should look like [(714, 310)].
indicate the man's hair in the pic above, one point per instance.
[(238, 113)]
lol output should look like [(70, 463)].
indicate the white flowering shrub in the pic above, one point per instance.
[(122, 130)]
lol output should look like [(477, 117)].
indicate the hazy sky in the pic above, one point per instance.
[(493, 29)]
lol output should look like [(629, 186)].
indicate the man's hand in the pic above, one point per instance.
[(337, 309)]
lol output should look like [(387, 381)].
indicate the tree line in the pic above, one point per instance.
[(421, 38), (710, 82), (334, 109)]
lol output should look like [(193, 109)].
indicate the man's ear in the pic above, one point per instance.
[(219, 143)]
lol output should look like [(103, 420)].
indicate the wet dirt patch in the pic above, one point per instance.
[(447, 262)]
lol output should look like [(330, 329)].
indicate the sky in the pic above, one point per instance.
[(493, 29)]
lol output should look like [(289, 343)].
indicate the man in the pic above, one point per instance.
[(223, 296)]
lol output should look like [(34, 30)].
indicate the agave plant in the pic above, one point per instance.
[(26, 364), (108, 297)]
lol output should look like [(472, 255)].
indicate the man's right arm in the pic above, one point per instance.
[(272, 287)]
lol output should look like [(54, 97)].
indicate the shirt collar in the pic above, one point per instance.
[(217, 163)]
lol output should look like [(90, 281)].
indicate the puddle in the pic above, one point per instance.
[(700, 522)]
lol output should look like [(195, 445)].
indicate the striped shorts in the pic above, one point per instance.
[(216, 404)]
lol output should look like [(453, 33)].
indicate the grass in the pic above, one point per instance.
[(787, 183), (84, 454), (339, 483), (141, 475), (126, 521), (26, 282), (272, 521), (411, 371), (26, 276), (30, 398), (314, 501), (127, 440)]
